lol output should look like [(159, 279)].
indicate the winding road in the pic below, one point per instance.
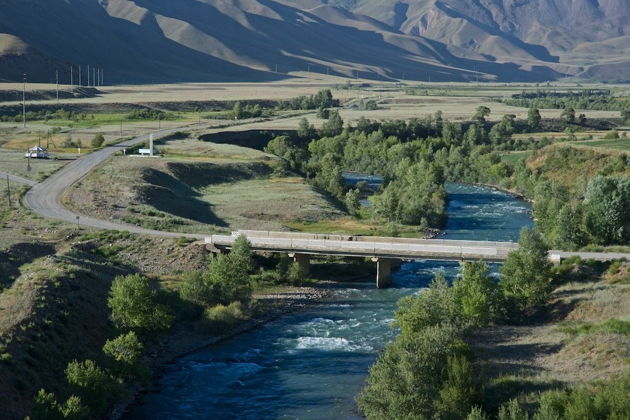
[(45, 198), (17, 179)]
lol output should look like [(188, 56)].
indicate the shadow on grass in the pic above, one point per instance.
[(17, 255)]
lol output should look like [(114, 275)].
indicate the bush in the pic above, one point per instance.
[(46, 407), (478, 295), (526, 273), (95, 386), (220, 316), (133, 305), (98, 141), (407, 378), (124, 349), (435, 306)]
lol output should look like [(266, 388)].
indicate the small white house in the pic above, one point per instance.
[(37, 152)]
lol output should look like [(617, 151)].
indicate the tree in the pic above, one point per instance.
[(477, 294), (125, 348), (242, 255), (133, 305), (525, 275), (568, 115), (237, 111), (228, 280), (434, 306), (323, 113), (533, 119), (98, 141), (305, 130), (569, 233), (94, 385), (46, 407), (460, 389), (406, 380), (194, 288), (353, 201), (606, 205), (625, 115), (480, 114), (333, 126)]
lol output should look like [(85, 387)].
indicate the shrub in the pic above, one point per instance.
[(220, 316), (435, 306), (477, 294), (460, 390), (125, 348), (133, 305), (94, 385), (525, 275), (46, 407), (407, 378), (98, 141)]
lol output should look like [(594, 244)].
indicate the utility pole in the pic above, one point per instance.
[(80, 76), (88, 75), (93, 77), (57, 84), (71, 79), (8, 191), (24, 102), (102, 77)]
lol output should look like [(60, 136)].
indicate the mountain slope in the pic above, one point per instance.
[(223, 40)]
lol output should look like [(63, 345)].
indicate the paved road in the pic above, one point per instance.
[(45, 198), (15, 178), (399, 248)]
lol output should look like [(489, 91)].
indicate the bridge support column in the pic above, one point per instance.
[(303, 260), (383, 272)]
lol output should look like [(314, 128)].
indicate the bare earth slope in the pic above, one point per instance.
[(212, 40)]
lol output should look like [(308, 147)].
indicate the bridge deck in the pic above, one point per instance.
[(380, 247), (369, 247)]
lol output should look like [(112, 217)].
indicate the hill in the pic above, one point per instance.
[(219, 40)]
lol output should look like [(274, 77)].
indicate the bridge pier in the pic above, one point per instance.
[(384, 271), (303, 260)]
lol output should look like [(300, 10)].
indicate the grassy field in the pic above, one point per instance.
[(200, 187), (513, 157), (622, 144)]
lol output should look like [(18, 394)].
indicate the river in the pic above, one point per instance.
[(313, 364)]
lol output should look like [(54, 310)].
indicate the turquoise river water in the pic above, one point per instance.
[(313, 364)]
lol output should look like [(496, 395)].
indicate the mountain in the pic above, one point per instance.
[(222, 40)]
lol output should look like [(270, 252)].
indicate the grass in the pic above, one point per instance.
[(622, 144), (611, 326), (514, 157)]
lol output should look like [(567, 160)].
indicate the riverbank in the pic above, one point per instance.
[(191, 338)]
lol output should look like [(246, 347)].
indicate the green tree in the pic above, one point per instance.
[(460, 390), (406, 380), (46, 407), (98, 141), (94, 385), (625, 115), (477, 294), (533, 119), (323, 113), (569, 233), (133, 305), (512, 411), (125, 348), (434, 306), (333, 126), (194, 288), (568, 115), (606, 205), (481, 113), (228, 279), (525, 275), (237, 111), (353, 201), (242, 256), (305, 130)]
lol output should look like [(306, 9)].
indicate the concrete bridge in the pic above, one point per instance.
[(386, 252)]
